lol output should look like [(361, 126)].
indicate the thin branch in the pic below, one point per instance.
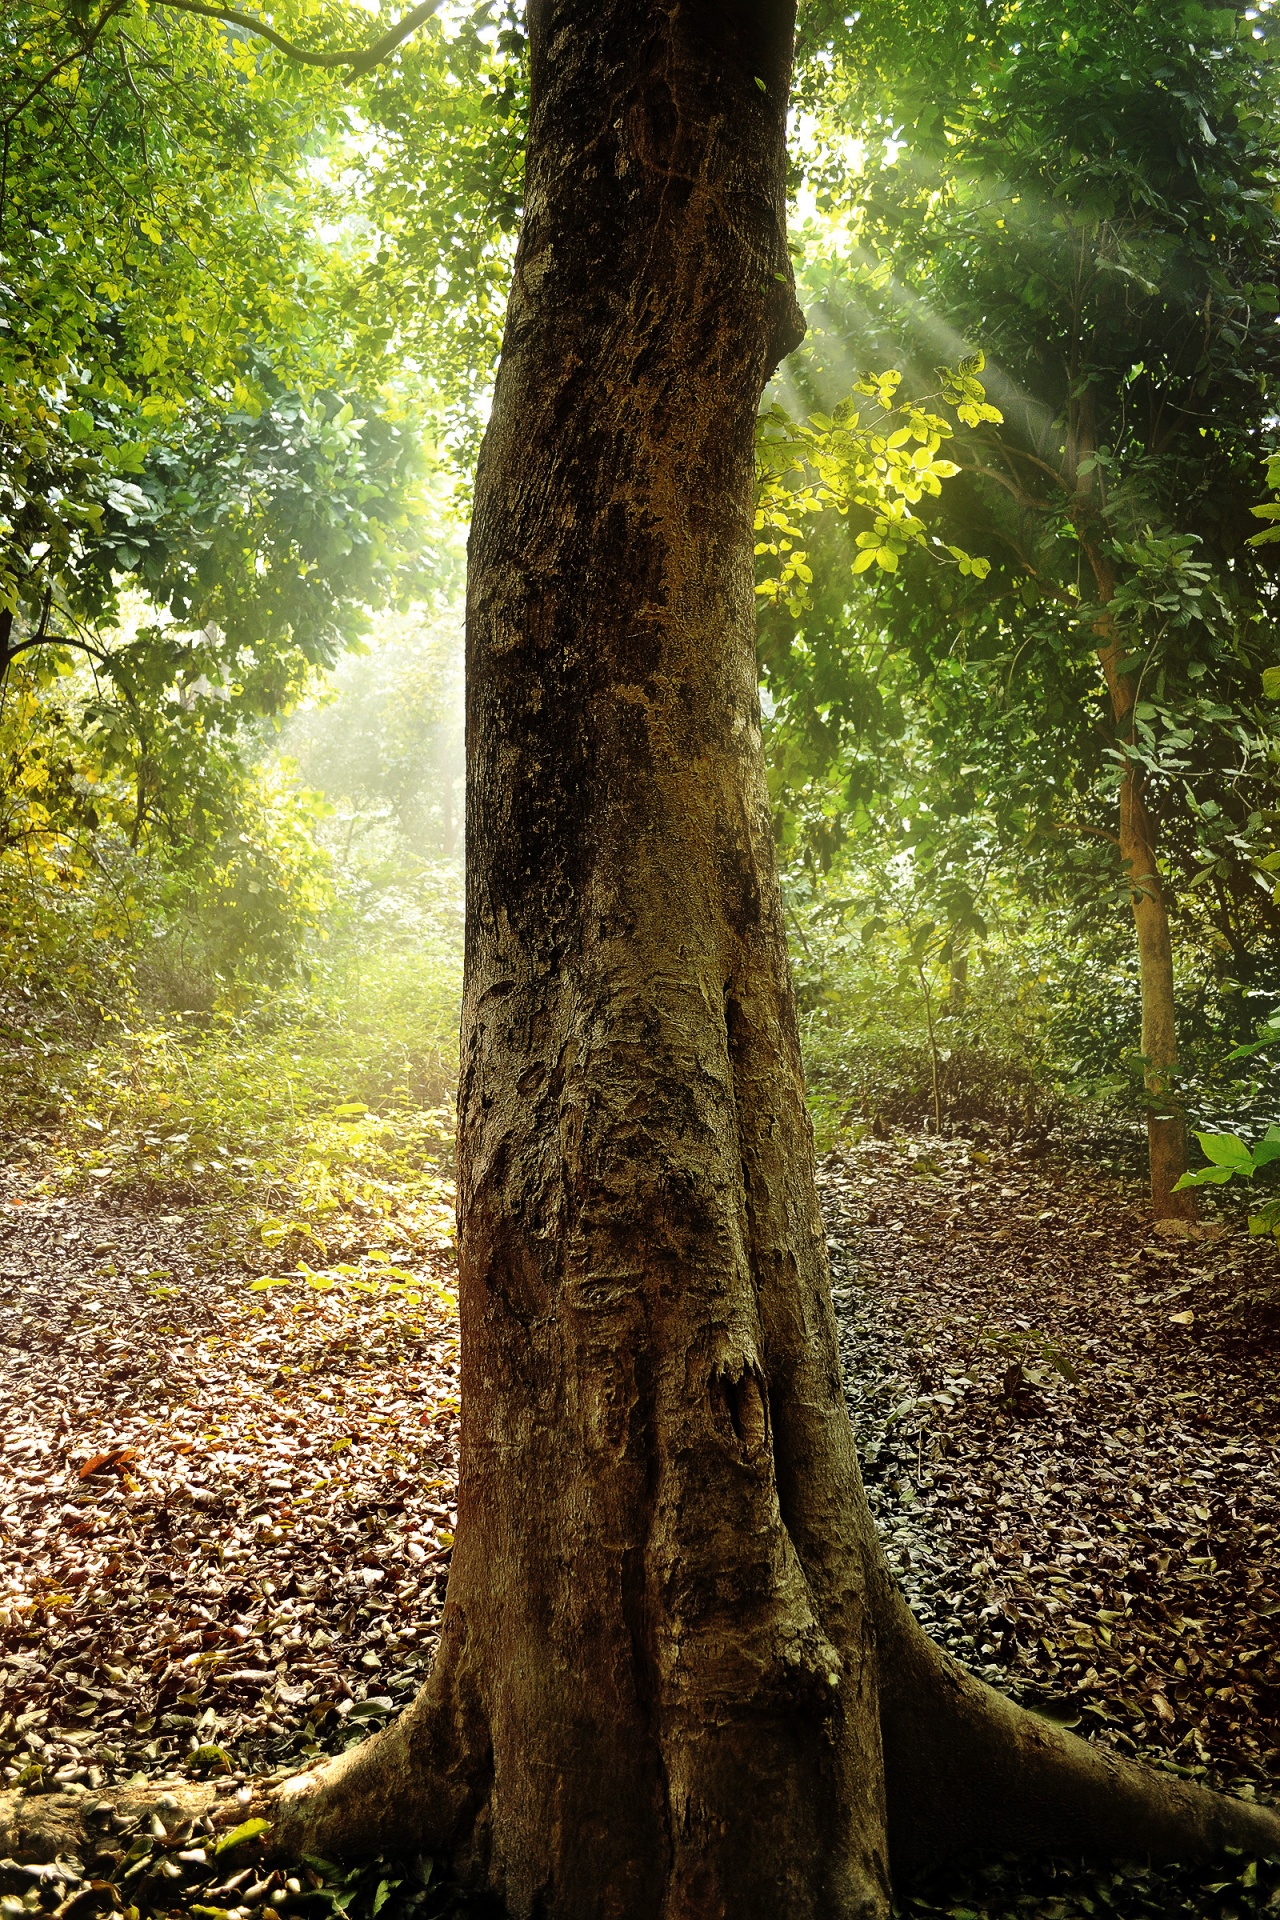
[(359, 60), (78, 52), (1077, 826), (142, 117), (145, 61), (55, 640), (1014, 487)]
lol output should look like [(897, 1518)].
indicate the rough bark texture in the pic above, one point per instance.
[(680, 1712), (675, 1679)]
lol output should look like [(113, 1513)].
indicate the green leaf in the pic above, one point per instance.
[(238, 1836), (1246, 1053), (1206, 1177), (1226, 1150), (1271, 682), (1060, 1364)]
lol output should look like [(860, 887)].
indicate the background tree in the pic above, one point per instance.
[(1087, 194)]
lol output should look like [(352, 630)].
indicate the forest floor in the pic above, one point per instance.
[(226, 1504)]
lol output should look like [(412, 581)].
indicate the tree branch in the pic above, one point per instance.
[(49, 640), (82, 48), (359, 60), (1077, 826)]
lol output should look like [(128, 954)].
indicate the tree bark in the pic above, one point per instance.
[(958, 983), (675, 1680), (675, 1677)]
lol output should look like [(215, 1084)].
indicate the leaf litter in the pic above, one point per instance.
[(228, 1499), (1069, 1425), (227, 1502)]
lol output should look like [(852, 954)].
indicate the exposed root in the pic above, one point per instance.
[(96, 1827), (969, 1771), (417, 1786), (345, 1808), (359, 1803)]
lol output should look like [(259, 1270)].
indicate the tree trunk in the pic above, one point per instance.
[(958, 983), (675, 1680), (1166, 1120)]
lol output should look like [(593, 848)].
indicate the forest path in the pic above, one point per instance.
[(226, 1513)]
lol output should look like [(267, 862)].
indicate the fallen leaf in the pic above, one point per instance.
[(247, 1830), (113, 1458)]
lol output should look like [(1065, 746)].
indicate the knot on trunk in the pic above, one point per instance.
[(740, 1398)]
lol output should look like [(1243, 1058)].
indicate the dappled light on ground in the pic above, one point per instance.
[(228, 1507)]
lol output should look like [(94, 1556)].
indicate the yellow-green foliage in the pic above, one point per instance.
[(249, 1010), (876, 468), (328, 1107), (109, 899)]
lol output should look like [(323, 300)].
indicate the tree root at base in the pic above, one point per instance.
[(967, 1771)]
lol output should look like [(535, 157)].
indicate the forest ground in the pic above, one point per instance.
[(228, 1484)]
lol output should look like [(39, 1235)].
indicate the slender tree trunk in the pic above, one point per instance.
[(934, 1062), (675, 1680), (958, 982), (1166, 1120)]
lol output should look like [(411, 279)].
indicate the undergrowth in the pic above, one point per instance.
[(333, 1095)]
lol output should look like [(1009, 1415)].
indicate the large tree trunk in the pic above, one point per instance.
[(675, 1677), (675, 1680)]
